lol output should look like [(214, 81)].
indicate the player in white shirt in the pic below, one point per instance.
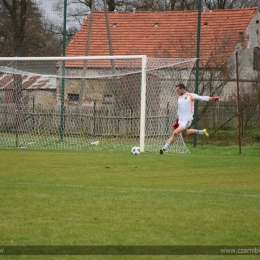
[(185, 115)]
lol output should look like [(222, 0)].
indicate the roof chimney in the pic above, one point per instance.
[(134, 10)]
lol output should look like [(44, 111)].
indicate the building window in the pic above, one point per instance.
[(107, 99), (73, 97)]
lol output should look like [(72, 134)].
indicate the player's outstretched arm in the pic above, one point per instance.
[(216, 98), (205, 98)]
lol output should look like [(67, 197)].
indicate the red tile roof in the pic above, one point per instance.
[(28, 82), (165, 34)]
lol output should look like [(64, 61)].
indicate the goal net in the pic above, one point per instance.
[(105, 102)]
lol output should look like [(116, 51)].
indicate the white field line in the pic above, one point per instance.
[(2, 183), (41, 184), (188, 191)]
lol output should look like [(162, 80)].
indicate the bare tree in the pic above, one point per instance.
[(229, 4), (24, 32), (17, 12)]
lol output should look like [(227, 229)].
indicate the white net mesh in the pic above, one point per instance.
[(89, 103)]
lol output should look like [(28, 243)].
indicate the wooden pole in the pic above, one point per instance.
[(85, 64), (89, 29), (109, 37), (238, 106), (197, 72), (16, 128), (108, 30)]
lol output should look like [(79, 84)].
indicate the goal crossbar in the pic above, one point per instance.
[(64, 58)]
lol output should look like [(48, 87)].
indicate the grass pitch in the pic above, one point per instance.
[(53, 197)]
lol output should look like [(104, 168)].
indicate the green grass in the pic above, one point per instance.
[(62, 197)]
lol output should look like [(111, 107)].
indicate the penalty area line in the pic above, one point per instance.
[(42, 184), (188, 191)]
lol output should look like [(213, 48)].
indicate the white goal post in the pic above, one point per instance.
[(90, 102)]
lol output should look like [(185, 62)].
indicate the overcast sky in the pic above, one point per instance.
[(48, 8)]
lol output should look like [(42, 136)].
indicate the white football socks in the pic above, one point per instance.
[(167, 145), (200, 132)]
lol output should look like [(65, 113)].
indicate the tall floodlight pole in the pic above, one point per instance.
[(197, 73), (63, 72)]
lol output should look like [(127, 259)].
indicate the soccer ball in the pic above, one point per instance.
[(135, 150)]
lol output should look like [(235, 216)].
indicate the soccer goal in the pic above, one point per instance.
[(103, 102)]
